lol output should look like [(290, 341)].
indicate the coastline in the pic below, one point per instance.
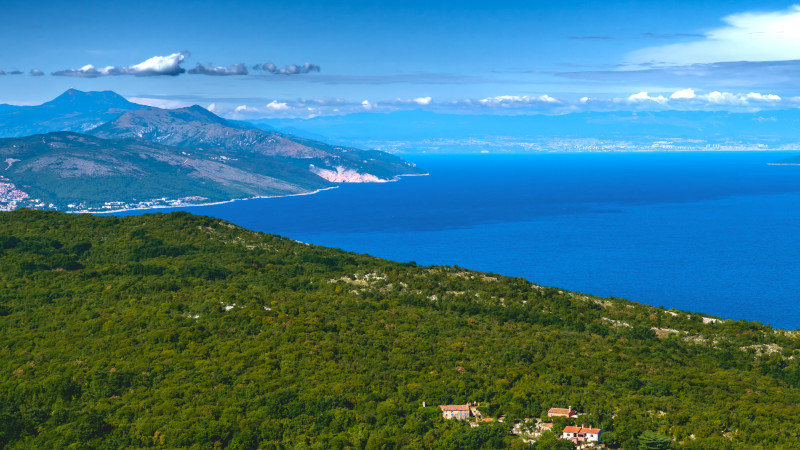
[(191, 205), (222, 202)]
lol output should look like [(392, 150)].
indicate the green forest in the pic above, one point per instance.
[(182, 331)]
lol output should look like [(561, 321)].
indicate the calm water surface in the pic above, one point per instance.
[(708, 232)]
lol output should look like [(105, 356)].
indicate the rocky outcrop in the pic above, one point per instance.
[(342, 175)]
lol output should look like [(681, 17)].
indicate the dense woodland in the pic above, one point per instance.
[(173, 330)]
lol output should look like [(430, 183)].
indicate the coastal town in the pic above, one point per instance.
[(115, 206), (531, 430), (12, 197)]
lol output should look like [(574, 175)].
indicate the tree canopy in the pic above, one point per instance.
[(181, 331)]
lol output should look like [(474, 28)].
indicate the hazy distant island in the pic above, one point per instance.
[(612, 131), (148, 157)]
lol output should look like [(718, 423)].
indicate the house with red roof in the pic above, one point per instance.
[(580, 435), (562, 412)]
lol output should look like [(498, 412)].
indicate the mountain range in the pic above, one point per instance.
[(145, 157), (198, 128)]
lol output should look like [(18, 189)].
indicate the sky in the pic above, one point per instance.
[(301, 58)]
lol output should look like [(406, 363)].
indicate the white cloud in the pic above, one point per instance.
[(721, 98), (510, 99), (751, 36), (688, 99), (683, 94), (421, 101), (764, 98), (644, 97), (277, 106), (547, 99), (157, 65), (727, 98)]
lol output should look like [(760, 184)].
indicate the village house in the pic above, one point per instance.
[(460, 412), (580, 435), (562, 412)]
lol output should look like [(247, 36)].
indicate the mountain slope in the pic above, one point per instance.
[(175, 331), (84, 171), (195, 127), (73, 110)]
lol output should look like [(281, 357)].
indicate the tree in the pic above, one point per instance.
[(550, 441), (652, 441), (609, 438)]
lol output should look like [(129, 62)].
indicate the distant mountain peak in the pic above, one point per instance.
[(91, 100), (199, 110), (73, 110)]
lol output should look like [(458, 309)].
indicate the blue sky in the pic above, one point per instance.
[(305, 58)]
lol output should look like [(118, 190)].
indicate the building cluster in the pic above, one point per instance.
[(528, 429), (11, 198)]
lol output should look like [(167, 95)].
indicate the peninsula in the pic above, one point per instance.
[(149, 157)]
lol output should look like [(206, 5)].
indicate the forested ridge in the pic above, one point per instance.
[(175, 330)]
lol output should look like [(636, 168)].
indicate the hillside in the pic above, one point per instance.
[(177, 330), (74, 171), (196, 127), (73, 110)]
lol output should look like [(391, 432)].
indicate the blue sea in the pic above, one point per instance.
[(712, 232)]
